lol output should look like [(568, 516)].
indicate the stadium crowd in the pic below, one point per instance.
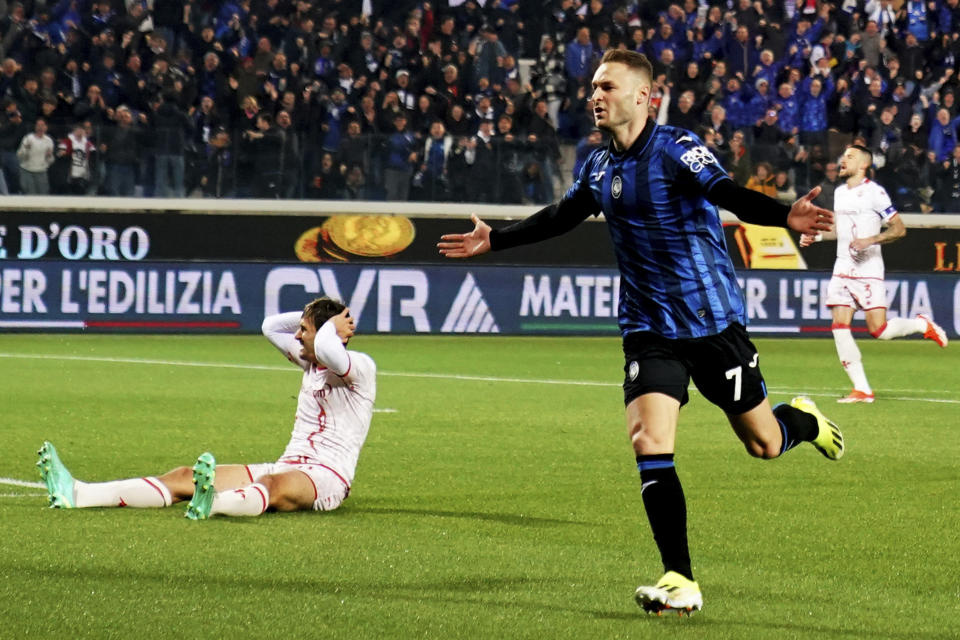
[(410, 100)]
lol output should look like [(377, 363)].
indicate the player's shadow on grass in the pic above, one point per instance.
[(503, 518)]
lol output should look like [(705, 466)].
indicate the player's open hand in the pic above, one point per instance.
[(807, 217), (466, 245)]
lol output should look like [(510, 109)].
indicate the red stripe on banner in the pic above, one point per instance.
[(829, 329), (160, 324)]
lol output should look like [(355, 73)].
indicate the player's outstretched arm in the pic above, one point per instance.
[(550, 221), (807, 217), (757, 208), (466, 245)]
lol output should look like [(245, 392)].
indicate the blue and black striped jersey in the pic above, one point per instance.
[(677, 279)]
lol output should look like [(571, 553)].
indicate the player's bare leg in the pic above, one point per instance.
[(228, 489), (179, 481), (759, 431), (652, 426), (769, 433), (239, 495), (290, 491)]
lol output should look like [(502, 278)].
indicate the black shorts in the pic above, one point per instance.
[(724, 367)]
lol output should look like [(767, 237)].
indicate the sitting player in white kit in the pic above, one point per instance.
[(861, 209), (334, 409)]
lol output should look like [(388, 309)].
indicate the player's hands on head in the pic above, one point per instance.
[(466, 245), (807, 217), (344, 325)]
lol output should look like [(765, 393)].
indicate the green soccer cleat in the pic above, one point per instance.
[(673, 592), (57, 478), (204, 473), (829, 440)]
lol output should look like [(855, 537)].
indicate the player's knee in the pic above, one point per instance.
[(278, 497), (644, 439), (763, 449), (179, 482), (880, 333)]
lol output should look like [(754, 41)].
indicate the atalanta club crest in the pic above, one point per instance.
[(616, 186)]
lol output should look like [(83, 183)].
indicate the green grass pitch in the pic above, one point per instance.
[(497, 497)]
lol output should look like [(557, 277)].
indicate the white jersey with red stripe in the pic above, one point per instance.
[(335, 405), (860, 212)]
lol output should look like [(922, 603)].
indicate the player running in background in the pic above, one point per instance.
[(681, 312), (861, 208), (316, 469)]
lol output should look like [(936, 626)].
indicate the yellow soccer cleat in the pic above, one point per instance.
[(829, 440), (673, 592)]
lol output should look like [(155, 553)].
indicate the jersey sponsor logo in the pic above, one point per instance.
[(633, 370), (616, 187), (469, 312), (697, 158)]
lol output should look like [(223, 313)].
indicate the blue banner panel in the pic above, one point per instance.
[(454, 298)]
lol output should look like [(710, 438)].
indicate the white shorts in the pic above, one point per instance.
[(857, 293), (330, 489)]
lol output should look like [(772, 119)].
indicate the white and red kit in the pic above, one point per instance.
[(334, 409), (78, 150), (859, 212)]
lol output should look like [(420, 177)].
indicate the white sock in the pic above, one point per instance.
[(899, 327), (850, 358), (251, 500), (134, 492)]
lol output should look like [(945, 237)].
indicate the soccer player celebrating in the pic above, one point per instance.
[(681, 312), (316, 469), (862, 208)]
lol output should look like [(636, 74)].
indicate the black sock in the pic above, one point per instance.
[(797, 426), (666, 510)]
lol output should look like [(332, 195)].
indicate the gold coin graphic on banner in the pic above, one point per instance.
[(370, 236)]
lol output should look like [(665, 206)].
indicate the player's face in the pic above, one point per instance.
[(619, 95), (305, 335), (850, 163)]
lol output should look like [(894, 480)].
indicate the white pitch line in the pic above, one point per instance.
[(22, 483), (816, 391), (23, 495)]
